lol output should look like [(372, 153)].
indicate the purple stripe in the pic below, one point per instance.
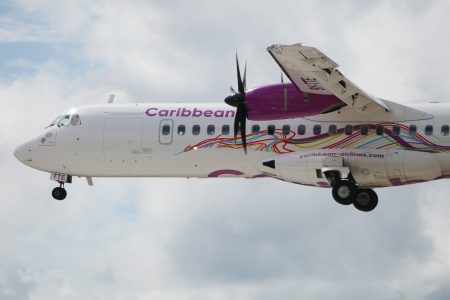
[(225, 172), (260, 176), (396, 181)]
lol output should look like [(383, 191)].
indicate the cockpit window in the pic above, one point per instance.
[(64, 121), (55, 121), (75, 121)]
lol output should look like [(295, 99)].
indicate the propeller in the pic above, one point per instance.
[(238, 100)]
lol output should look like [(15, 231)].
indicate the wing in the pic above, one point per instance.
[(313, 72)]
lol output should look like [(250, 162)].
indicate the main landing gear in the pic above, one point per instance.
[(346, 192)]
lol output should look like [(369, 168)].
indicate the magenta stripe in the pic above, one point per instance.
[(225, 172)]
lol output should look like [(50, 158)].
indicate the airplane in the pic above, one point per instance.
[(319, 129)]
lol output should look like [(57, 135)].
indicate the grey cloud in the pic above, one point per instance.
[(15, 285), (254, 237), (440, 293)]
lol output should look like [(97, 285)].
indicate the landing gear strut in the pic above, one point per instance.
[(59, 193)]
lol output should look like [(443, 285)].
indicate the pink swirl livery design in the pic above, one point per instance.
[(280, 143)]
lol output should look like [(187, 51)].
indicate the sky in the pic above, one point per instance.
[(217, 238)]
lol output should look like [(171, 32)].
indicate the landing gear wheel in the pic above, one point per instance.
[(344, 192), (59, 193), (365, 200)]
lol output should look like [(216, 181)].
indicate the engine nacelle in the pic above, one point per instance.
[(284, 101), (369, 168)]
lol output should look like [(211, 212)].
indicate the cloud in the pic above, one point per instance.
[(223, 238)]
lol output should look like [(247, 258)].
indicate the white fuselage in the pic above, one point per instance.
[(148, 140)]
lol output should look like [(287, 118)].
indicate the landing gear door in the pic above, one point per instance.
[(394, 166), (166, 132)]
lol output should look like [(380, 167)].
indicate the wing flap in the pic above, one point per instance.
[(313, 72)]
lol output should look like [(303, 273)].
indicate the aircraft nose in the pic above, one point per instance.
[(19, 153), (25, 151)]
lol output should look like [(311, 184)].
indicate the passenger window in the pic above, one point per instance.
[(380, 130), (210, 129), (301, 129), (429, 130), (75, 121), (332, 130), (317, 129), (196, 129), (165, 130), (226, 129), (412, 130), (286, 129), (271, 129), (348, 129), (255, 129), (445, 130), (181, 129), (364, 130), (395, 130)]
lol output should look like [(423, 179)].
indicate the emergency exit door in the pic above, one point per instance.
[(166, 132)]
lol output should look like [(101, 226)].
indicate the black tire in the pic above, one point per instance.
[(59, 193), (365, 200), (344, 192)]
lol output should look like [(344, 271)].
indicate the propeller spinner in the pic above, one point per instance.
[(238, 100)]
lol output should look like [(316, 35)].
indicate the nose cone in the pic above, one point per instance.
[(19, 153), (24, 151)]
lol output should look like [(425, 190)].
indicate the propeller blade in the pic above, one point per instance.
[(240, 83), (282, 80), (238, 100), (244, 133), (245, 77), (240, 124), (237, 120)]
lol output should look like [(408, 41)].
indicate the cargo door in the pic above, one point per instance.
[(122, 139)]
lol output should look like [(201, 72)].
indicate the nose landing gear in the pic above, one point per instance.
[(59, 192)]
